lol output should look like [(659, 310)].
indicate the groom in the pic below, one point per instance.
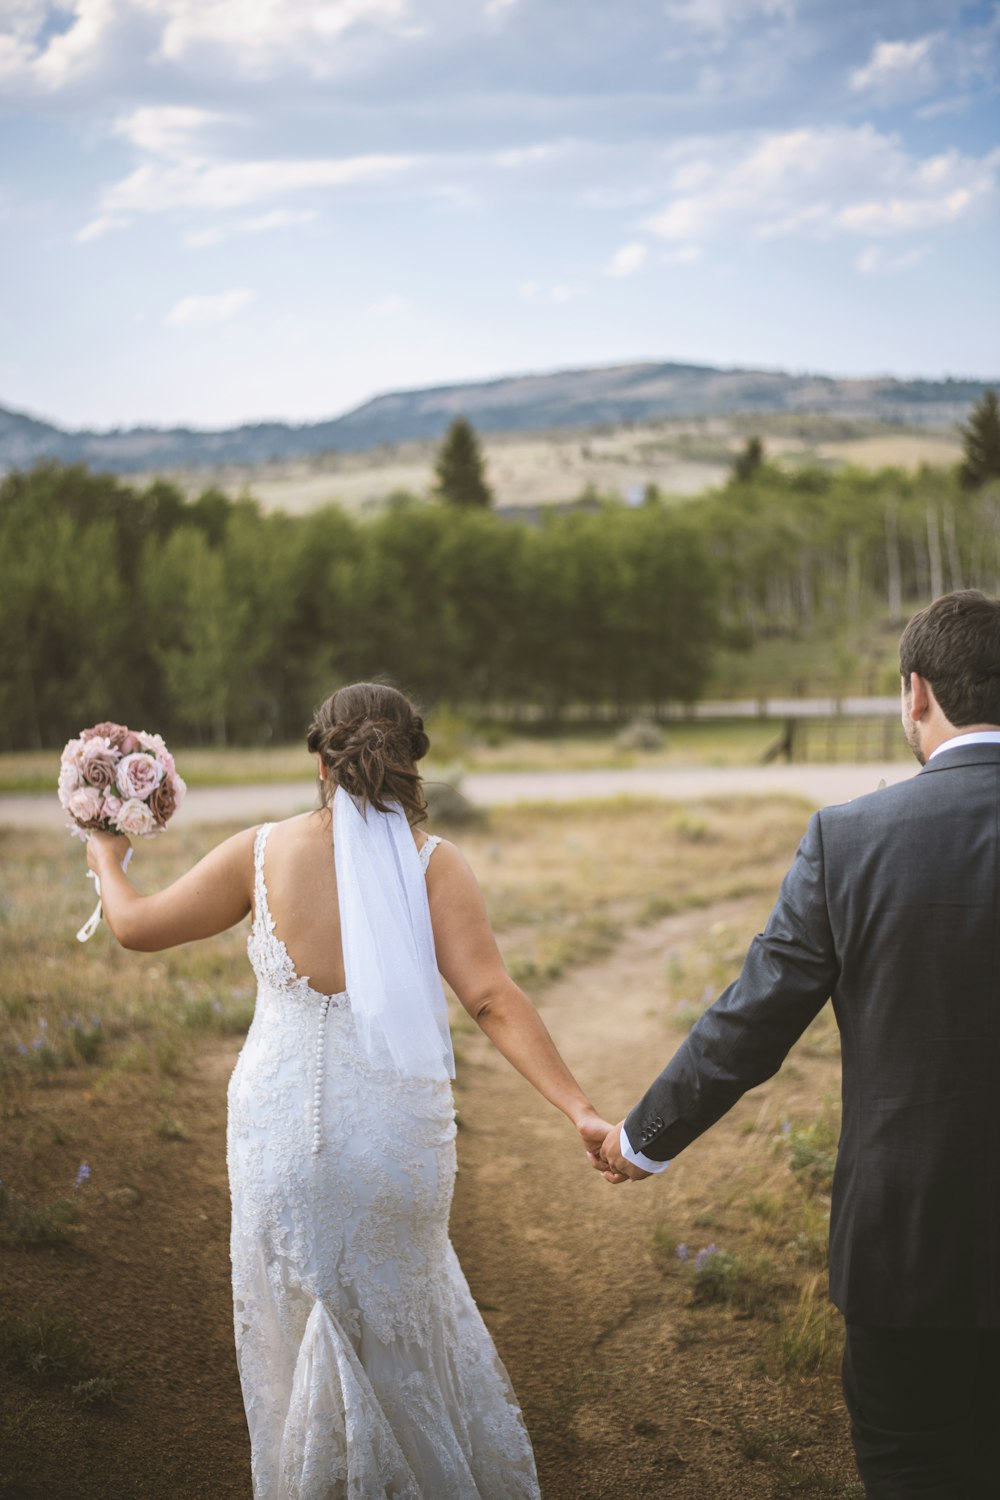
[(892, 907)]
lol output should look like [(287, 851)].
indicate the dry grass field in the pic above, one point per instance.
[(669, 1338), (681, 458), (457, 746)]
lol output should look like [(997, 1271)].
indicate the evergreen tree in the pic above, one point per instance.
[(981, 441), (749, 460), (459, 468)]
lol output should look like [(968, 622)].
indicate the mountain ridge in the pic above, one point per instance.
[(573, 398)]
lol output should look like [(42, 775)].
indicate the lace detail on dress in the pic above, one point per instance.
[(366, 1368), (268, 955), (427, 849)]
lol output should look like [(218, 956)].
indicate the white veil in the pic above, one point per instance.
[(389, 963)]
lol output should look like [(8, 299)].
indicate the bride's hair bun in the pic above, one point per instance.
[(369, 737), (419, 743)]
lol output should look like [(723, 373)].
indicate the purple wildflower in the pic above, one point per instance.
[(82, 1176), (703, 1257), (682, 1252)]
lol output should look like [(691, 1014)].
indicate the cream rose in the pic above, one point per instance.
[(70, 781), (73, 753), (135, 818), (138, 775), (84, 804)]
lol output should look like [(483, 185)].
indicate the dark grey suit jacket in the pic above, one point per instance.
[(892, 907)]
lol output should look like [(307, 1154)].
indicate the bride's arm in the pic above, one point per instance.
[(470, 961), (210, 897)]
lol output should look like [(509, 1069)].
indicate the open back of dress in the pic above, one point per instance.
[(366, 1368)]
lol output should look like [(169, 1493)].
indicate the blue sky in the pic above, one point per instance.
[(220, 210)]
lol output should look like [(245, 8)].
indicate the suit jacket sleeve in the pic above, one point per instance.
[(788, 975)]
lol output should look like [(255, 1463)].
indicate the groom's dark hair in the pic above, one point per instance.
[(954, 644)]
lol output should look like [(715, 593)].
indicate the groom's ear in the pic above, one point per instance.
[(921, 695)]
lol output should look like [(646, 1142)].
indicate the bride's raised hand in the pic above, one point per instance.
[(102, 845)]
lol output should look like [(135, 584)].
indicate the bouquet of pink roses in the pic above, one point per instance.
[(119, 781)]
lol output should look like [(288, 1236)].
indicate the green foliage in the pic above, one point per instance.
[(981, 442), (749, 460), (46, 1348), (753, 1286), (23, 1224), (812, 1153), (810, 1338), (217, 624), (459, 470)]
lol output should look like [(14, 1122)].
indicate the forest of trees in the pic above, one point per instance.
[(211, 621)]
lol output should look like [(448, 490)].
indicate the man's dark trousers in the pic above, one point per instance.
[(925, 1411)]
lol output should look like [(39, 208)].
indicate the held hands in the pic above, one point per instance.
[(607, 1159), (603, 1143)]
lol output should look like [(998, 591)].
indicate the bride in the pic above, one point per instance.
[(365, 1366)]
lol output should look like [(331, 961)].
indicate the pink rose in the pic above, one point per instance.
[(138, 775), (111, 807), (84, 804), (107, 731), (135, 818), (154, 742), (99, 761), (163, 801), (69, 781)]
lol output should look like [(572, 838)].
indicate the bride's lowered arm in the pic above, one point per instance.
[(212, 896), (470, 961)]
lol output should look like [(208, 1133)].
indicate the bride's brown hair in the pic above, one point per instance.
[(370, 736)]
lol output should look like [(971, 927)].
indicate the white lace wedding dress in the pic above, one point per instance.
[(366, 1368)]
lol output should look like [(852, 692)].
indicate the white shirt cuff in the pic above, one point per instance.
[(637, 1159)]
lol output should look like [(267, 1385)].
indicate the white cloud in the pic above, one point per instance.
[(898, 69), (256, 37), (390, 306), (815, 183), (523, 156), (99, 227), (684, 255), (558, 294), (874, 260), (204, 311), (278, 218), (156, 187), (494, 9), (720, 16), (167, 129), (628, 259)]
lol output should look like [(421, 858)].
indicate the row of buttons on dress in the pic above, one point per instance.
[(317, 1139)]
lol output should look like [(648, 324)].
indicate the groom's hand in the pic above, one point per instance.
[(612, 1165)]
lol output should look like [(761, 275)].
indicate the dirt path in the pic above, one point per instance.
[(627, 1393)]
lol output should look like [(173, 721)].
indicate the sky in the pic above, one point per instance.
[(216, 211)]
